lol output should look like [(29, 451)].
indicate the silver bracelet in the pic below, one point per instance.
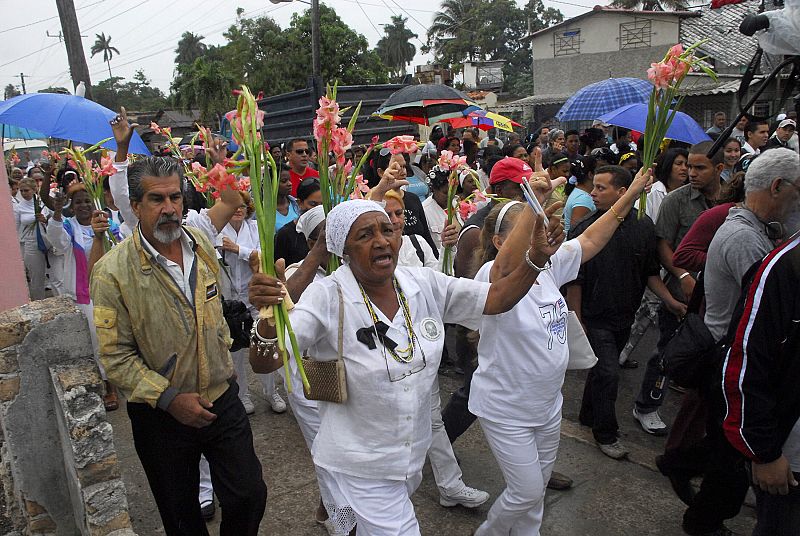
[(539, 269), (262, 345)]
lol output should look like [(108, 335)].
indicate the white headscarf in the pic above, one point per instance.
[(310, 220), (342, 217)]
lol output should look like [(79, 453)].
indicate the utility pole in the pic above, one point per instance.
[(22, 80), (315, 42), (78, 68), (533, 74)]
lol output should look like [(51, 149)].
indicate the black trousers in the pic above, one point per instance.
[(456, 415), (170, 454), (599, 403)]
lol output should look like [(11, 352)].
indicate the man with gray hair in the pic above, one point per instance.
[(164, 342), (748, 234)]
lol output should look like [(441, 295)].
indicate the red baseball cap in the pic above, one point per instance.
[(510, 169)]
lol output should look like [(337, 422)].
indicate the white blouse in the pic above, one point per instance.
[(383, 431), (437, 220), (523, 353), (408, 254)]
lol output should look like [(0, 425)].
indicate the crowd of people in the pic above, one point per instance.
[(173, 309)]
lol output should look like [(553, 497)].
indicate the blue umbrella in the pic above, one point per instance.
[(17, 133), (601, 97), (634, 117), (67, 117)]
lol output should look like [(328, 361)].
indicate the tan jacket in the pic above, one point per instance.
[(148, 331)]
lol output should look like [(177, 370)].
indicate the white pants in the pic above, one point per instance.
[(306, 413), (526, 456), (36, 266), (206, 489), (241, 359), (55, 275), (268, 382), (382, 507), (446, 471)]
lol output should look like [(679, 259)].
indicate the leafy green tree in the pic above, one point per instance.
[(204, 85), (480, 30), (190, 47), (55, 89), (345, 53), (103, 44), (395, 48), (10, 91), (137, 94)]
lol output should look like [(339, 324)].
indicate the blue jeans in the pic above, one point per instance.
[(778, 515), (598, 407)]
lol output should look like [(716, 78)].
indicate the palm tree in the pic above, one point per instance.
[(190, 47), (394, 48), (103, 44), (453, 30), (651, 5)]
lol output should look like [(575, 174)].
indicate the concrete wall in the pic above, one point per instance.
[(59, 468), (566, 75), (600, 32)]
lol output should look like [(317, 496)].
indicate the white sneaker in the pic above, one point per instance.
[(651, 422), (613, 450), (467, 497), (249, 407), (277, 403)]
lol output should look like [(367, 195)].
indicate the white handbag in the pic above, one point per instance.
[(581, 355)]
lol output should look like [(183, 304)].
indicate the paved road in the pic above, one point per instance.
[(610, 498)]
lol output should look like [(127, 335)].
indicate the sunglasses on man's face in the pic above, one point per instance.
[(302, 151)]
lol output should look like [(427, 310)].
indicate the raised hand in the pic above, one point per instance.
[(547, 235), (123, 132)]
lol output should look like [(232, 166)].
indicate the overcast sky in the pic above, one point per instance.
[(146, 32)]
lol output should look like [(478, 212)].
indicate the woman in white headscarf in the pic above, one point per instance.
[(374, 445)]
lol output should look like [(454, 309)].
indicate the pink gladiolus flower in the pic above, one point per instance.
[(479, 196), (375, 139), (675, 51), (401, 144), (155, 128), (361, 184), (465, 209), (220, 179), (328, 112), (341, 140), (243, 184), (679, 68), (348, 168), (107, 167), (198, 169), (445, 159), (660, 74), (321, 130)]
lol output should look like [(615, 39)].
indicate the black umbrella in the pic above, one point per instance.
[(426, 104)]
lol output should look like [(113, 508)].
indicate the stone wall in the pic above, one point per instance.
[(58, 465)]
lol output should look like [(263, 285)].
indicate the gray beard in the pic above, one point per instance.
[(167, 237)]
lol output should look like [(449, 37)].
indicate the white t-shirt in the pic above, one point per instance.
[(791, 449), (408, 254), (437, 220), (523, 354)]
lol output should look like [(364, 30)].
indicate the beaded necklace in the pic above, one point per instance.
[(405, 355)]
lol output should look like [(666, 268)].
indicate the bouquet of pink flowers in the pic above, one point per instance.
[(263, 173), (666, 76), (455, 165), (92, 175), (343, 181)]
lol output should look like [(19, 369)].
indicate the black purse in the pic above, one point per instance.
[(692, 354), (239, 323)]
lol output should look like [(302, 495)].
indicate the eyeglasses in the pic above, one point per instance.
[(302, 151)]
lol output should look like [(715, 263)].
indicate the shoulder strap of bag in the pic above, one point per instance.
[(340, 341), (418, 247), (698, 295)]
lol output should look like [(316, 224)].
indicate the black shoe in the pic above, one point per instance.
[(559, 481), (681, 483), (207, 510)]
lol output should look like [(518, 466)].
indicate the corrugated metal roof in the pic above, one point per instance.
[(721, 27), (533, 100), (702, 85)]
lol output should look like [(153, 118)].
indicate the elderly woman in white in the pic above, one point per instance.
[(374, 445)]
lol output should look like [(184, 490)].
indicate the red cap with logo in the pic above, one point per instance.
[(510, 169)]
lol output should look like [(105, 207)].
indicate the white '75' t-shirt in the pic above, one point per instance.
[(523, 354)]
